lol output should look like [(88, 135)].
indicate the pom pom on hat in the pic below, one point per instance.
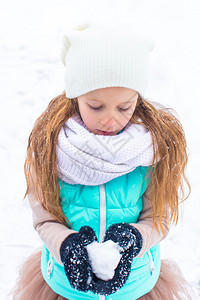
[(105, 54)]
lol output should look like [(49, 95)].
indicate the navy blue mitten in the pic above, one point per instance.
[(130, 241), (74, 256), (126, 236)]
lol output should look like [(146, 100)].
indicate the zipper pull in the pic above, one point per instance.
[(152, 266), (49, 266)]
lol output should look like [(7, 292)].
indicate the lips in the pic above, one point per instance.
[(105, 132)]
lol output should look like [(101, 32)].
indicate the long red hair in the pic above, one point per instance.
[(167, 175)]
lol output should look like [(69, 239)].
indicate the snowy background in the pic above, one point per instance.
[(32, 74)]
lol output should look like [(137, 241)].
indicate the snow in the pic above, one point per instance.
[(104, 258), (32, 74)]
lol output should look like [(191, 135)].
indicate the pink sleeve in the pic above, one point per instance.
[(51, 232), (145, 226)]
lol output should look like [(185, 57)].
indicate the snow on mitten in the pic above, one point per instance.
[(74, 256), (130, 240), (125, 235)]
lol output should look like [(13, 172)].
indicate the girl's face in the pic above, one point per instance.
[(107, 111)]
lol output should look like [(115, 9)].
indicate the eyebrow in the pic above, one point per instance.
[(119, 104), (99, 101)]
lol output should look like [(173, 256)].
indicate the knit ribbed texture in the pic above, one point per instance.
[(105, 54), (89, 159)]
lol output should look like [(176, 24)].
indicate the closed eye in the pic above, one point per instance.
[(98, 108), (95, 108), (124, 108)]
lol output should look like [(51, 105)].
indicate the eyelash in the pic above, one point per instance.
[(97, 108)]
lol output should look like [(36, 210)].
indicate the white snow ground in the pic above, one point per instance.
[(32, 74)]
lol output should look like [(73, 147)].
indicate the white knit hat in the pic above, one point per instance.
[(105, 54)]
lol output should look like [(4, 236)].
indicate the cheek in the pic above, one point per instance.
[(89, 118), (126, 117)]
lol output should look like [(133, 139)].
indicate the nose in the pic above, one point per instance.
[(108, 122)]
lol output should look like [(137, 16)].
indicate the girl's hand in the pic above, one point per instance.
[(102, 268), (126, 236), (128, 242), (104, 258), (74, 256)]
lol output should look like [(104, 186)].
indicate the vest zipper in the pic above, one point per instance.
[(102, 219), (102, 212)]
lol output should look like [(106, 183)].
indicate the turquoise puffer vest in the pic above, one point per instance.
[(119, 200)]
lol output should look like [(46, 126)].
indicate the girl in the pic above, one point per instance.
[(105, 174)]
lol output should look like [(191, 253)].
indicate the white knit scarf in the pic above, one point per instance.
[(89, 159)]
